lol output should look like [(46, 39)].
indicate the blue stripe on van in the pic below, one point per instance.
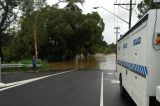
[(139, 69)]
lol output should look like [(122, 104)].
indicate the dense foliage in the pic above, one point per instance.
[(107, 48), (61, 35), (7, 17), (146, 5)]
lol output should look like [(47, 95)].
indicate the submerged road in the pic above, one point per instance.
[(72, 88)]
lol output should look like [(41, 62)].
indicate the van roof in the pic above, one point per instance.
[(134, 27)]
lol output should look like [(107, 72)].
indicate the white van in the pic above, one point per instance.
[(138, 60)]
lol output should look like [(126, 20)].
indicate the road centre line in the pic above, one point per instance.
[(101, 95), (110, 73), (114, 81), (18, 83)]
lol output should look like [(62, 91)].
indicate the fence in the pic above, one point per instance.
[(17, 65), (14, 66)]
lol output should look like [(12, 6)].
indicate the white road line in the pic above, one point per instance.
[(110, 73), (2, 85), (14, 84), (115, 81), (101, 97)]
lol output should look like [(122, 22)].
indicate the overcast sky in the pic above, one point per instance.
[(109, 20)]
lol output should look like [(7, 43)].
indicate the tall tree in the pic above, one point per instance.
[(27, 7), (33, 7), (38, 6), (61, 35), (72, 4), (7, 17)]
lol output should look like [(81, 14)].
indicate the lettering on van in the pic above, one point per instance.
[(137, 41), (125, 46)]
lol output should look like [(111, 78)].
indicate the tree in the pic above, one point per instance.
[(38, 5), (72, 4), (33, 27), (72, 33), (7, 17), (61, 35), (145, 6), (29, 7)]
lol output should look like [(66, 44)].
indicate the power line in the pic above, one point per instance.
[(130, 10)]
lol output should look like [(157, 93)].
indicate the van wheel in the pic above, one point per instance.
[(123, 92)]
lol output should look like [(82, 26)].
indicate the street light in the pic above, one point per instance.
[(111, 13), (117, 28)]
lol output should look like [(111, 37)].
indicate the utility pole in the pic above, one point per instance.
[(116, 28), (130, 14), (130, 11)]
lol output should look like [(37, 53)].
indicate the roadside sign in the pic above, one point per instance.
[(156, 1)]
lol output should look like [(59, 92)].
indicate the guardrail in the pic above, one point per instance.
[(15, 66), (18, 65)]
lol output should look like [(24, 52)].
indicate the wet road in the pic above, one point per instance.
[(112, 93), (83, 87), (75, 88)]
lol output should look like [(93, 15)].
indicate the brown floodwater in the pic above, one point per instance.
[(98, 61)]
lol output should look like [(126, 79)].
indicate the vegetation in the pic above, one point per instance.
[(25, 67), (146, 5), (107, 48), (60, 34), (7, 17)]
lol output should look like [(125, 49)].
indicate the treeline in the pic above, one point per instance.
[(107, 48), (61, 34)]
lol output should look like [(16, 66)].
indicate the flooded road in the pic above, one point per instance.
[(99, 61), (85, 87)]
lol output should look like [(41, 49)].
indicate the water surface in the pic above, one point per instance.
[(99, 61)]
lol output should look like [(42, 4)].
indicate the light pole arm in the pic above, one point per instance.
[(111, 13)]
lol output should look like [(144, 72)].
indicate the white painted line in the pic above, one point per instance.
[(2, 85), (110, 73), (115, 81), (101, 97), (14, 84)]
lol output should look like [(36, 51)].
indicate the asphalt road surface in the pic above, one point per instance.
[(72, 88)]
